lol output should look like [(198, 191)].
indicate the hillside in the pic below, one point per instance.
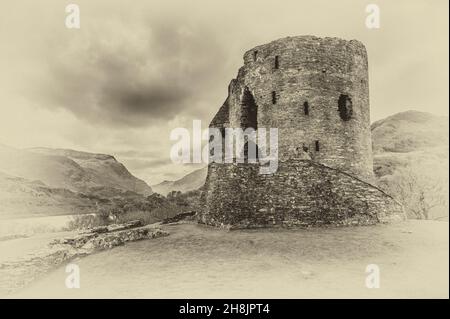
[(45, 181), (191, 181), (72, 170), (409, 131), (411, 161), (20, 197)]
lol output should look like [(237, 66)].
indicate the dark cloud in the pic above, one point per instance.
[(134, 77)]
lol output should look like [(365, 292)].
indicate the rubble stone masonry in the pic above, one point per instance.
[(316, 92)]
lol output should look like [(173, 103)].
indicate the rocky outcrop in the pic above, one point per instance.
[(25, 269), (105, 237)]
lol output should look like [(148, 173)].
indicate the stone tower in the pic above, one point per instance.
[(316, 92)]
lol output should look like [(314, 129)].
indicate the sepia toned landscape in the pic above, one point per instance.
[(93, 204)]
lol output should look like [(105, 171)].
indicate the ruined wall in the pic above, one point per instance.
[(237, 196), (287, 73), (315, 91)]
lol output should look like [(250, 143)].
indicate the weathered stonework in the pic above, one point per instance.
[(315, 91), (301, 192)]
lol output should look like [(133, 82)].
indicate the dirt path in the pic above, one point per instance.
[(200, 262)]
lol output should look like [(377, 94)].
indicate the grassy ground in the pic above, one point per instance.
[(200, 262)]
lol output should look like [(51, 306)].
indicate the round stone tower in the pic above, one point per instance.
[(315, 92)]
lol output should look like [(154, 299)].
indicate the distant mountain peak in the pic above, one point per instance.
[(71, 153), (189, 182), (70, 169)]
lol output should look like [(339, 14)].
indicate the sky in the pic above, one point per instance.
[(135, 70)]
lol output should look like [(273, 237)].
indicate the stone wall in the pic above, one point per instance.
[(317, 71), (316, 92), (301, 193)]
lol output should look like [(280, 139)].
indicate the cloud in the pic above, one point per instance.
[(123, 75)]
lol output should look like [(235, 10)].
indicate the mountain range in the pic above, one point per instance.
[(189, 182), (60, 181)]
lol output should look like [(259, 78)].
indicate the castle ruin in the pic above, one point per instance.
[(316, 92)]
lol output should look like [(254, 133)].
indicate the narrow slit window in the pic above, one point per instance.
[(277, 62), (306, 108), (255, 55), (317, 146), (274, 97)]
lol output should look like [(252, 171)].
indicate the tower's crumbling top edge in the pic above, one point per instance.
[(297, 41)]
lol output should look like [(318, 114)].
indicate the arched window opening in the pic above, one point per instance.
[(345, 107), (249, 110)]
